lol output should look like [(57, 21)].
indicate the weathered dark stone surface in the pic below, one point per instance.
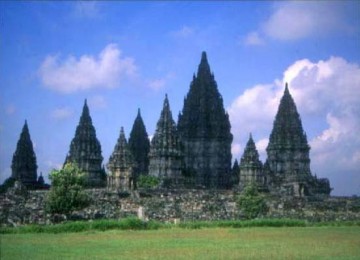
[(85, 151), (166, 158), (204, 130), (24, 166), (18, 208), (121, 166), (287, 168), (235, 174), (139, 145), (251, 171)]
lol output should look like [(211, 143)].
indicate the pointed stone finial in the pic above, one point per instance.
[(85, 111), (204, 67), (138, 113), (166, 101), (250, 136), (25, 127), (203, 56), (286, 89)]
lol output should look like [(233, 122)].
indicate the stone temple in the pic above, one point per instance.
[(195, 153), (204, 130), (166, 158), (287, 167), (24, 166), (85, 151), (121, 166), (251, 168)]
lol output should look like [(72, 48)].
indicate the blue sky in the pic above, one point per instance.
[(126, 55)]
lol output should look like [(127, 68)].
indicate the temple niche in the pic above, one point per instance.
[(24, 166), (166, 158), (85, 151), (121, 166), (287, 167), (251, 168), (204, 130)]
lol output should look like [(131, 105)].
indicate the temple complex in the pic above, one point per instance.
[(287, 167), (251, 168), (166, 159), (85, 151), (204, 130), (121, 166), (24, 166), (195, 153), (139, 145)]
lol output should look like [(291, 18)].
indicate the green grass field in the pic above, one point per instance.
[(177, 243)]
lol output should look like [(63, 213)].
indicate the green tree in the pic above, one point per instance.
[(147, 181), (67, 191), (8, 183), (252, 203)]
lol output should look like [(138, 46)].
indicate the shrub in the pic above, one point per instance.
[(148, 182), (67, 191), (252, 203), (8, 183)]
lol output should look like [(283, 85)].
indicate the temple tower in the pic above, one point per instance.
[(24, 167), (235, 174), (85, 151), (165, 150), (288, 163), (251, 167), (204, 130), (121, 165), (139, 145)]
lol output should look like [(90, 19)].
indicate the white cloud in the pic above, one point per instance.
[(160, 83), (53, 165), (261, 147), (74, 74), (61, 113), (183, 32), (157, 84), (253, 38), (236, 150), (327, 95), (295, 20)]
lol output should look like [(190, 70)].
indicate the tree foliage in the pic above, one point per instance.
[(147, 181), (67, 190), (252, 203), (8, 183)]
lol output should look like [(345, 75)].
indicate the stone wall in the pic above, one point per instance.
[(27, 207)]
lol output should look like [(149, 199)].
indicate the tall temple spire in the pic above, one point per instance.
[(165, 151), (121, 165), (85, 150), (24, 166), (204, 67), (287, 128), (288, 162), (203, 121), (139, 145)]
